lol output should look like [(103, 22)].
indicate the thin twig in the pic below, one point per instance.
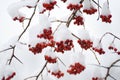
[(38, 73), (95, 56)]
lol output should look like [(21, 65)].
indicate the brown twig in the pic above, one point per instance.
[(38, 73), (109, 68)]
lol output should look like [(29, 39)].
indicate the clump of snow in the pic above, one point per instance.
[(83, 34), (105, 9), (62, 33), (96, 43), (73, 1), (53, 67), (44, 21), (87, 4), (33, 32), (51, 53), (78, 57)]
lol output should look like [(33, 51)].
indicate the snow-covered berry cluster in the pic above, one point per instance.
[(50, 59)]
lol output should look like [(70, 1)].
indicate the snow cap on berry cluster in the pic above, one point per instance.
[(78, 57), (97, 73), (97, 44), (53, 67), (51, 53), (13, 9), (83, 34), (62, 34), (73, 1), (87, 4), (105, 9), (44, 23)]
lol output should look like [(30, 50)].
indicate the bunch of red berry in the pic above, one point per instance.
[(64, 45), (74, 6), (90, 11), (47, 34), (106, 18), (76, 68), (99, 50), (85, 44), (38, 47), (95, 78), (78, 20), (112, 48), (20, 19), (50, 59), (57, 74), (49, 6), (9, 77)]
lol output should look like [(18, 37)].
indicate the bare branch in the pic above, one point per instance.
[(38, 73)]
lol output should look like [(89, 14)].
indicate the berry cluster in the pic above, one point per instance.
[(85, 44), (50, 59), (95, 78), (47, 34), (90, 11), (76, 68), (38, 47), (49, 6), (9, 77), (74, 6), (112, 48), (105, 18), (99, 50), (64, 0), (78, 20), (64, 45), (57, 74), (20, 19)]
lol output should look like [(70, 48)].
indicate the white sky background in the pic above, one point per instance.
[(9, 28)]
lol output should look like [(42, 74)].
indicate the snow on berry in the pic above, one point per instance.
[(88, 7), (97, 46), (50, 56), (14, 11), (77, 64), (105, 13), (84, 39), (54, 70)]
